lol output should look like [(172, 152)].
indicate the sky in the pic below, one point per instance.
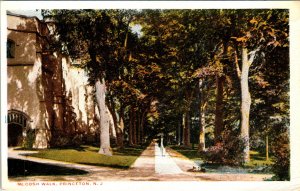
[(35, 12), (137, 29)]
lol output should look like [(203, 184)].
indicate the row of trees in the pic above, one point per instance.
[(113, 56), (185, 68), (210, 58)]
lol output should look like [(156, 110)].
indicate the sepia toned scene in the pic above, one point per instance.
[(148, 95)]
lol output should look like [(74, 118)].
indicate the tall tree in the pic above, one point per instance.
[(96, 48), (256, 31)]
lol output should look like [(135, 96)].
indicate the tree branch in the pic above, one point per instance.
[(238, 70), (252, 55)]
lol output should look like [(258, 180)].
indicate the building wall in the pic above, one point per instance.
[(47, 87), (25, 90), (25, 50), (81, 96), (30, 36)]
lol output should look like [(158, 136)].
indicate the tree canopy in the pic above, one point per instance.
[(199, 76)]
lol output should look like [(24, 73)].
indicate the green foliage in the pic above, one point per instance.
[(281, 166), (258, 159), (257, 164), (29, 139), (228, 151), (188, 152), (88, 155)]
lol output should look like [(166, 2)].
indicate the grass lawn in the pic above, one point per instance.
[(257, 162), (258, 159), (122, 158), (188, 152)]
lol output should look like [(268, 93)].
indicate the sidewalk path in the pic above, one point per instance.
[(164, 164)]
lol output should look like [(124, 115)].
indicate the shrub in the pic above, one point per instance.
[(281, 153), (228, 151), (29, 139)]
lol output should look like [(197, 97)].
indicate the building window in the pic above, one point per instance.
[(10, 48)]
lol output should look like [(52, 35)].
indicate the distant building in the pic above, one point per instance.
[(49, 100)]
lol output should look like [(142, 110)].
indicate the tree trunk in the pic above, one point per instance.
[(120, 135), (134, 127), (245, 103), (187, 120), (111, 108), (179, 132), (131, 126), (201, 146), (267, 147), (202, 105), (219, 124), (142, 125), (104, 118), (117, 123), (186, 129), (138, 129), (183, 128)]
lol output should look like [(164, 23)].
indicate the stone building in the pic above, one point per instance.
[(49, 100)]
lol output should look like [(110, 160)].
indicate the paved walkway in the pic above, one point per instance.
[(164, 164), (150, 166)]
